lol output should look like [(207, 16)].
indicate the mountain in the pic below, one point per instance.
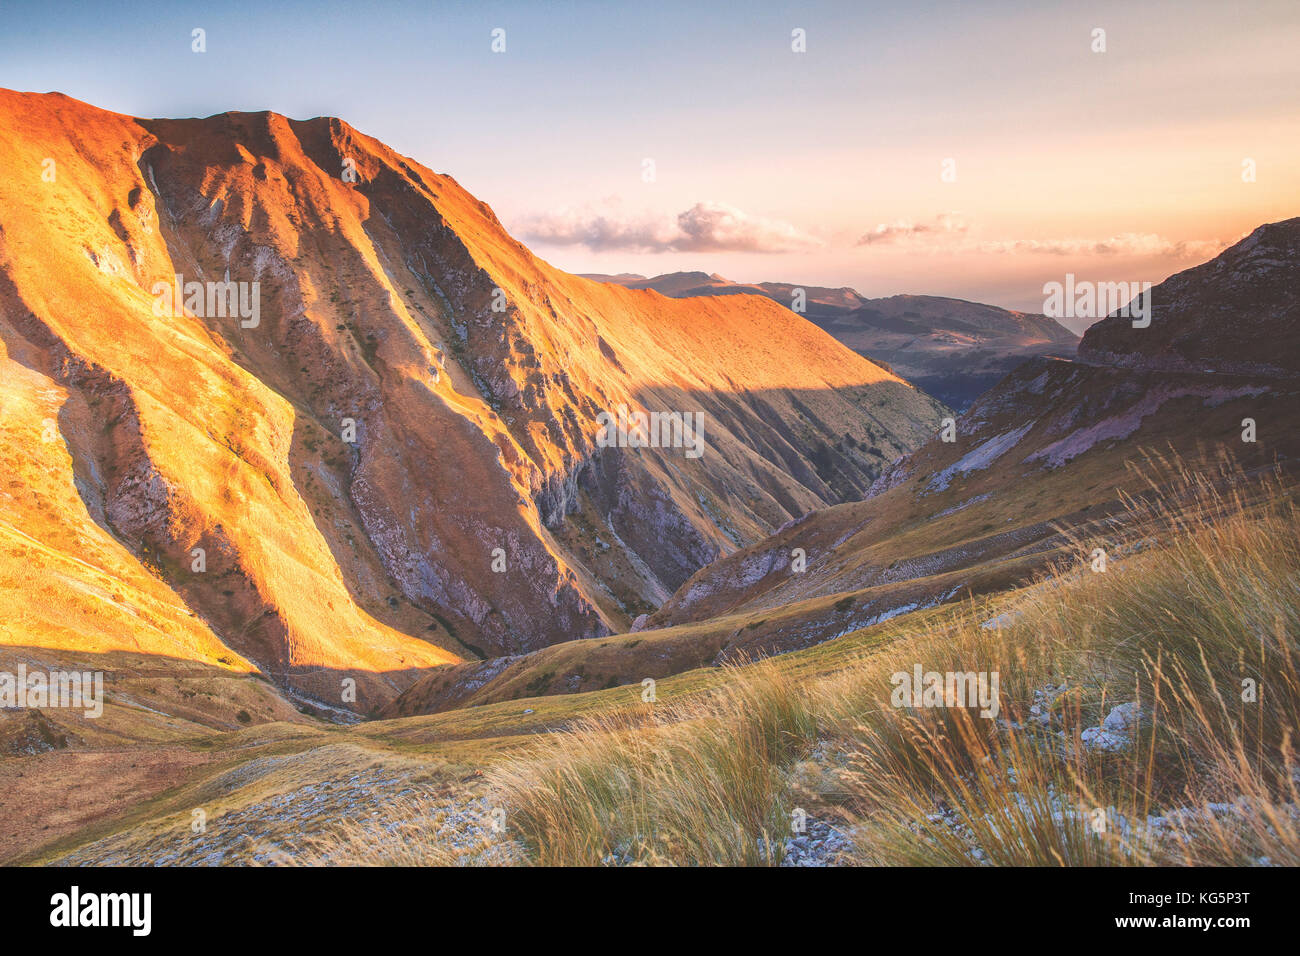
[(1236, 313), (1050, 450), (953, 349), (1049, 446), (280, 402)]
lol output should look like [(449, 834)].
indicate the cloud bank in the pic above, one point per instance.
[(947, 233), (705, 227), (902, 230), (1124, 244), (711, 226)]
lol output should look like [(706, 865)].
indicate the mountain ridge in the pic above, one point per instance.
[(1039, 463), (395, 308), (953, 348)]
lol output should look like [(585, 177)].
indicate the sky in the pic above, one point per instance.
[(972, 150)]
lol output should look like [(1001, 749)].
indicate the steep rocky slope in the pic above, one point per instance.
[(1054, 442), (953, 349), (392, 461), (1052, 447), (1236, 313)]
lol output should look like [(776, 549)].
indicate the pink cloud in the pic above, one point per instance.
[(705, 227)]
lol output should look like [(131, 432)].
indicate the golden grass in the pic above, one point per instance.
[(1201, 593), (420, 830), (633, 786)]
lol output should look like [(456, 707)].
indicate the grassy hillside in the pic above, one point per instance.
[(1199, 596)]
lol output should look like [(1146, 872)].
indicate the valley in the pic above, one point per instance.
[(422, 534)]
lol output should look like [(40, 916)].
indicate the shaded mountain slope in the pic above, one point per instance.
[(1236, 313)]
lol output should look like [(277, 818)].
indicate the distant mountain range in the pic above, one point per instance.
[(953, 349)]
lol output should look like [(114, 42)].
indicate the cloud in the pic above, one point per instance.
[(947, 233), (1124, 244), (717, 227), (705, 227), (903, 230)]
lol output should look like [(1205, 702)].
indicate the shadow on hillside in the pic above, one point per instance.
[(206, 695)]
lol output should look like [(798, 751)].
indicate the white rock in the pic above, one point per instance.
[(1123, 717)]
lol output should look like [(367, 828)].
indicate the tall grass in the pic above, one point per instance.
[(1201, 597), (689, 782), (1198, 605), (1201, 593)]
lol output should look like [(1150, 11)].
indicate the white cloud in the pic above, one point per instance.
[(947, 233), (903, 230), (705, 227), (1124, 244)]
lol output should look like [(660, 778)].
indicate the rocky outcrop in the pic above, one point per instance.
[(1236, 313)]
